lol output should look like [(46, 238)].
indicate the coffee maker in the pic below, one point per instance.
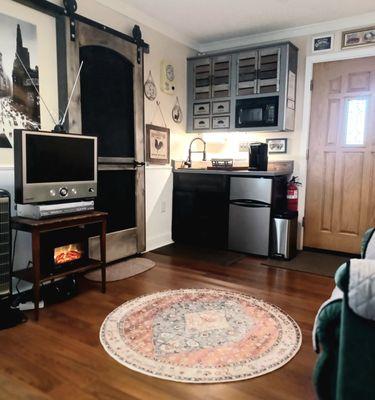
[(258, 157)]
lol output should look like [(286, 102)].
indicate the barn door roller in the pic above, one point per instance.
[(70, 9)]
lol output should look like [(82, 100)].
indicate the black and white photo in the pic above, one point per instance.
[(279, 145), (322, 43), (19, 73)]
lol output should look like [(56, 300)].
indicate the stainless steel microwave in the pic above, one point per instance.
[(257, 112)]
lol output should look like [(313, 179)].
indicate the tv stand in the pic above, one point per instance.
[(37, 227)]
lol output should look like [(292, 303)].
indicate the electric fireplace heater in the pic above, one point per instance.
[(63, 249)]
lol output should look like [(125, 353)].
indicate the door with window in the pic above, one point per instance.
[(340, 198)]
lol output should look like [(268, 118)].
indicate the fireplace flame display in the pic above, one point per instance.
[(68, 253)]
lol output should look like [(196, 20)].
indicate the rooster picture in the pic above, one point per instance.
[(158, 144)]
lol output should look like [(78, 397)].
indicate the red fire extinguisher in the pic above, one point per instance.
[(292, 194)]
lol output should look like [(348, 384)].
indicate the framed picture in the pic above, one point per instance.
[(322, 43), (358, 37), (279, 145), (28, 65), (157, 144)]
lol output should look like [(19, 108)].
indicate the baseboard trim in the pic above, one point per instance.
[(333, 252), (155, 242)]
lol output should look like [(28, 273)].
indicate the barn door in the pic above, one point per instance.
[(108, 103)]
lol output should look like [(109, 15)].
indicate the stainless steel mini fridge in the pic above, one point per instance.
[(250, 215)]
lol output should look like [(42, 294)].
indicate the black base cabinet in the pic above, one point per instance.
[(200, 209)]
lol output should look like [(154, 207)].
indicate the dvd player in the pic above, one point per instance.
[(40, 211)]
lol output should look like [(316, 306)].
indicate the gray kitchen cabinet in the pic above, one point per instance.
[(218, 84)]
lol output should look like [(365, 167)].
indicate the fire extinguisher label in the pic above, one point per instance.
[(292, 195)]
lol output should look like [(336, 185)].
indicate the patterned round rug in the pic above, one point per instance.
[(200, 336)]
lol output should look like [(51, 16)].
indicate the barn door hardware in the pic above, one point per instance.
[(70, 9), (137, 36)]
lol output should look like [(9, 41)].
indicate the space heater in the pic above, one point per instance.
[(8, 317)]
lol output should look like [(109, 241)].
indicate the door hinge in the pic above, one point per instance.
[(303, 222), (311, 85), (307, 154)]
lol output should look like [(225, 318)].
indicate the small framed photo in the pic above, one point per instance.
[(157, 144), (358, 37), (278, 146), (322, 43)]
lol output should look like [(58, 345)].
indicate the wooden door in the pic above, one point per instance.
[(108, 103), (340, 202)]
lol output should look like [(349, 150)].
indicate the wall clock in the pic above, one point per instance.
[(150, 88), (167, 78)]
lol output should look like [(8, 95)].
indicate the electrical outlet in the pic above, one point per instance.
[(163, 207), (244, 147)]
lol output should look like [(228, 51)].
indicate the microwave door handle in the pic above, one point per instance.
[(239, 117)]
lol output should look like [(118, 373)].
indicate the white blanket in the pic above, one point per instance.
[(361, 293)]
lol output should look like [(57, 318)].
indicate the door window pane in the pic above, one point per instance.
[(355, 121)]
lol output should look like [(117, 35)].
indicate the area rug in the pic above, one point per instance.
[(200, 336), (122, 270), (311, 262)]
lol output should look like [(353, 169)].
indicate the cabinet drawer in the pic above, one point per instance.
[(220, 107), (202, 109), (220, 122), (202, 123)]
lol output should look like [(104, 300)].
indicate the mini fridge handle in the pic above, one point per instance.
[(249, 203)]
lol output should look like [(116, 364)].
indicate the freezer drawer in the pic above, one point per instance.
[(256, 189), (249, 228)]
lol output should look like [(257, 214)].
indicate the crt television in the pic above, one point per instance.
[(51, 167)]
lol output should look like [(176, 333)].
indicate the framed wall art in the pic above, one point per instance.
[(157, 144), (28, 67), (279, 145), (322, 43), (358, 37)]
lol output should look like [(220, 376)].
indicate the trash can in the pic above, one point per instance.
[(284, 235)]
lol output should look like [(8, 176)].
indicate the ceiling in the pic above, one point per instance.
[(205, 21)]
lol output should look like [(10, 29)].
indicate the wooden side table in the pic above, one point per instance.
[(37, 227)]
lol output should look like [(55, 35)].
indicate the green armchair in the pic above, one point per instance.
[(345, 368)]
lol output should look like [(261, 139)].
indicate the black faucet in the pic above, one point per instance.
[(188, 161)]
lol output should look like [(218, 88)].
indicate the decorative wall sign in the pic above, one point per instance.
[(19, 101), (157, 144), (177, 112), (150, 88), (322, 43), (358, 37), (167, 78), (279, 145)]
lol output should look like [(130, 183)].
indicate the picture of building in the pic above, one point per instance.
[(19, 79)]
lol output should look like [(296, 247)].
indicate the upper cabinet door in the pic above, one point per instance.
[(202, 79), (268, 70), (221, 76), (247, 73)]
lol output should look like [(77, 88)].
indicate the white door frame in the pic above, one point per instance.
[(304, 142)]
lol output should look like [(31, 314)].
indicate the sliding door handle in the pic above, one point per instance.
[(138, 163)]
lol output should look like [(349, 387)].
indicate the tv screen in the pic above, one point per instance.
[(59, 159)]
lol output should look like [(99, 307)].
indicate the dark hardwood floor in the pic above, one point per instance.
[(60, 357)]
